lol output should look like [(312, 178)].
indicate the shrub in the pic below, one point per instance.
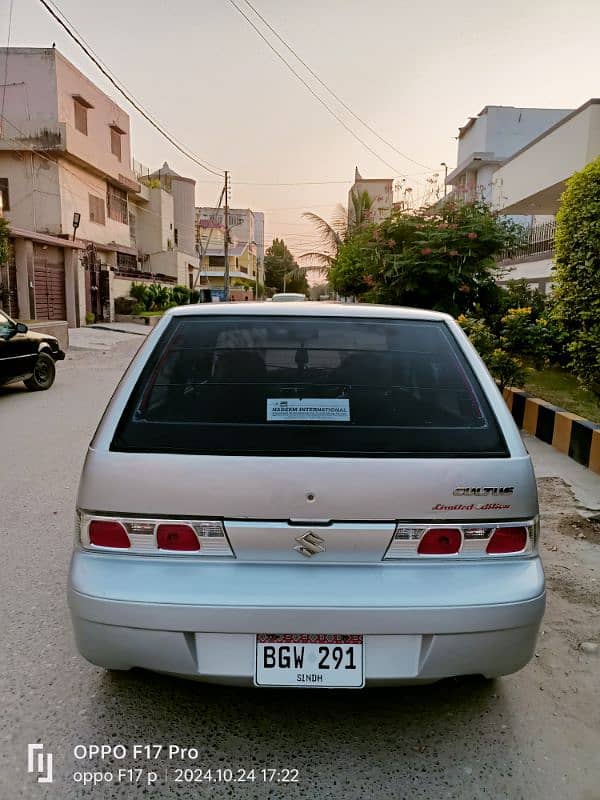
[(194, 295), (523, 335), (482, 338), (180, 295), (90, 318), (577, 265), (138, 291), (506, 368)]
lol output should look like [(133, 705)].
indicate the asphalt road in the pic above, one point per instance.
[(532, 735)]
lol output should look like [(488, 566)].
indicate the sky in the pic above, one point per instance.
[(414, 71)]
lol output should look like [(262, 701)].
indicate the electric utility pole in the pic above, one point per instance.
[(226, 240)]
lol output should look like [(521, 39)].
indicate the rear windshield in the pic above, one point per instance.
[(308, 386)]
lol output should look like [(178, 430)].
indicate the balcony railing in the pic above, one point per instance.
[(538, 241)]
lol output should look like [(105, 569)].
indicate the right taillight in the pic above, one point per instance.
[(104, 533), (463, 541), (176, 537), (507, 540)]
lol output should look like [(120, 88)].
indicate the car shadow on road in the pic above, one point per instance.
[(449, 734)]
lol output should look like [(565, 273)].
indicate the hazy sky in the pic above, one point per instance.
[(414, 71)]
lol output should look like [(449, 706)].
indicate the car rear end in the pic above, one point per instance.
[(307, 496)]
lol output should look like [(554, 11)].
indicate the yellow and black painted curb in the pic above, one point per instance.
[(577, 437)]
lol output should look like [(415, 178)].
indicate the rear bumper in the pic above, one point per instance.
[(132, 612), (58, 355)]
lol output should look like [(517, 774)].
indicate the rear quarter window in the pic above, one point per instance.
[(308, 386)]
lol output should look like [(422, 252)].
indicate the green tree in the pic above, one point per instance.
[(359, 210), (443, 259), (282, 272), (349, 273), (577, 265)]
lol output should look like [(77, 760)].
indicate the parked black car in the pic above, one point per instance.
[(27, 356)]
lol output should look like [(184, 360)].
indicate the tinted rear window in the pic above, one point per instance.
[(300, 386)]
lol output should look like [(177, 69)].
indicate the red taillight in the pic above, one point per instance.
[(507, 540), (108, 534), (440, 542), (177, 537)]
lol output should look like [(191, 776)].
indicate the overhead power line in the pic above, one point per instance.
[(331, 91), (317, 97), (78, 39)]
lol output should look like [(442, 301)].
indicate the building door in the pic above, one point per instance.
[(49, 284)]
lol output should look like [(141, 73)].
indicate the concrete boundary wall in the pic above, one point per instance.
[(575, 436)]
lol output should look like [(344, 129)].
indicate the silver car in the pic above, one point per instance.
[(288, 297), (307, 495)]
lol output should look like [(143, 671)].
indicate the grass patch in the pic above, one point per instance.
[(562, 389), (149, 314)]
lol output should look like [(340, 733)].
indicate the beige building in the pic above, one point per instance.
[(380, 191), (64, 157), (162, 230)]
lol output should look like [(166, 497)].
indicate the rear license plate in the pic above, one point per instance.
[(309, 660)]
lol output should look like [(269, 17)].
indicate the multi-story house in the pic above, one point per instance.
[(380, 192), (530, 183), (162, 219), (518, 161), (488, 139), (246, 241), (65, 173)]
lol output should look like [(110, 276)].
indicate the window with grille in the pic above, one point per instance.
[(4, 204), (80, 117), (115, 143), (116, 202), (97, 213), (126, 262)]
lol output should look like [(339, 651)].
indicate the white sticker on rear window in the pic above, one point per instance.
[(308, 409)]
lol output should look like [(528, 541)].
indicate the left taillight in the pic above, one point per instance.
[(147, 536), (104, 533)]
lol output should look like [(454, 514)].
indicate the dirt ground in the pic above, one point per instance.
[(570, 546)]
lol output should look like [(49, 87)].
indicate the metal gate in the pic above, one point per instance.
[(49, 285), (97, 285), (8, 284)]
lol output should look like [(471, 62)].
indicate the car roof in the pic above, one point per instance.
[(309, 309)]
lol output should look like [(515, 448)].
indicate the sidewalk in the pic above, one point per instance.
[(103, 336), (550, 463)]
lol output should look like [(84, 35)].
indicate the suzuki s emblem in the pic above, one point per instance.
[(310, 544)]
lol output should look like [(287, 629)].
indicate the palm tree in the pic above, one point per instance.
[(333, 233), (359, 212)]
